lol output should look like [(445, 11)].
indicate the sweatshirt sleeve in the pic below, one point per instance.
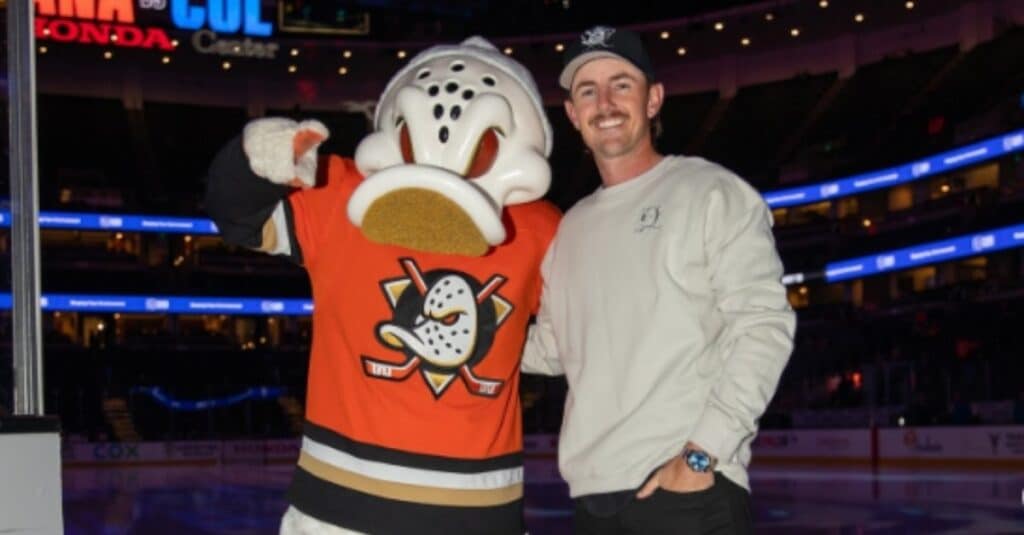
[(540, 355), (759, 325)]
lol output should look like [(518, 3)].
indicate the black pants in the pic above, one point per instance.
[(723, 509)]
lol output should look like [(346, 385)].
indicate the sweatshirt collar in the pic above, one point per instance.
[(622, 189)]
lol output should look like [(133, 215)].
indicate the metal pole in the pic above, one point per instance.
[(28, 355)]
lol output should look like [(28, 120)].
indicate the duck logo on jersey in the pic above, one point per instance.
[(444, 323)]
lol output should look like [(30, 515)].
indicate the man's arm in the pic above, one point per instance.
[(250, 177), (746, 276), (540, 355), (757, 339)]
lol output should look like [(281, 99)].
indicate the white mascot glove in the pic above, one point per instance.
[(283, 151)]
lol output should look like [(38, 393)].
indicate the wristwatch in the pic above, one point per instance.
[(699, 460)]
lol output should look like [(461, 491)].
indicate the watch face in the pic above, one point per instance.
[(698, 461)]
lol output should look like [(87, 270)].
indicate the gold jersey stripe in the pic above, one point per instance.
[(407, 492)]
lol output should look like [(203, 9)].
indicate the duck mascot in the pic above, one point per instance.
[(423, 253)]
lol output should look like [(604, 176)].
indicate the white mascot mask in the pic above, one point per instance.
[(460, 133)]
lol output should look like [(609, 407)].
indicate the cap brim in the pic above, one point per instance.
[(569, 71)]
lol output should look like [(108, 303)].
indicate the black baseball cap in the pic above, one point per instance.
[(604, 42)]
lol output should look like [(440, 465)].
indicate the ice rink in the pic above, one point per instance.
[(249, 499)]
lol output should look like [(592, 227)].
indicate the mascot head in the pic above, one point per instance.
[(459, 134)]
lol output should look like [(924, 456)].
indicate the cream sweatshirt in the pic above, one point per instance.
[(663, 306)]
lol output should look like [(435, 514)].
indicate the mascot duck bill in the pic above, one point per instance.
[(452, 147)]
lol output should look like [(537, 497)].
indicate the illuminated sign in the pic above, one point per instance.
[(85, 32), (206, 42), (208, 19), (100, 10), (224, 16), (100, 22)]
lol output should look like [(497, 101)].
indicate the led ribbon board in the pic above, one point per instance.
[(260, 306), (988, 149), (925, 254), (919, 255), (119, 222)]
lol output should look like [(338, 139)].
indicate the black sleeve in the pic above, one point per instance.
[(239, 201)]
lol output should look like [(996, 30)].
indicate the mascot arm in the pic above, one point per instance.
[(251, 176)]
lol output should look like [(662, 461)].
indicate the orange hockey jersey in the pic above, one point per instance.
[(413, 413)]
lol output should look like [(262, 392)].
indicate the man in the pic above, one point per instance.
[(663, 307)]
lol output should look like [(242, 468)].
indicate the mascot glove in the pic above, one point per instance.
[(269, 144)]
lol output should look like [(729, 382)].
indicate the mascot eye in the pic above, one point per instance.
[(405, 142), (485, 154), (450, 319)]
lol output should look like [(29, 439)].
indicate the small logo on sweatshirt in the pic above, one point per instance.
[(650, 219)]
